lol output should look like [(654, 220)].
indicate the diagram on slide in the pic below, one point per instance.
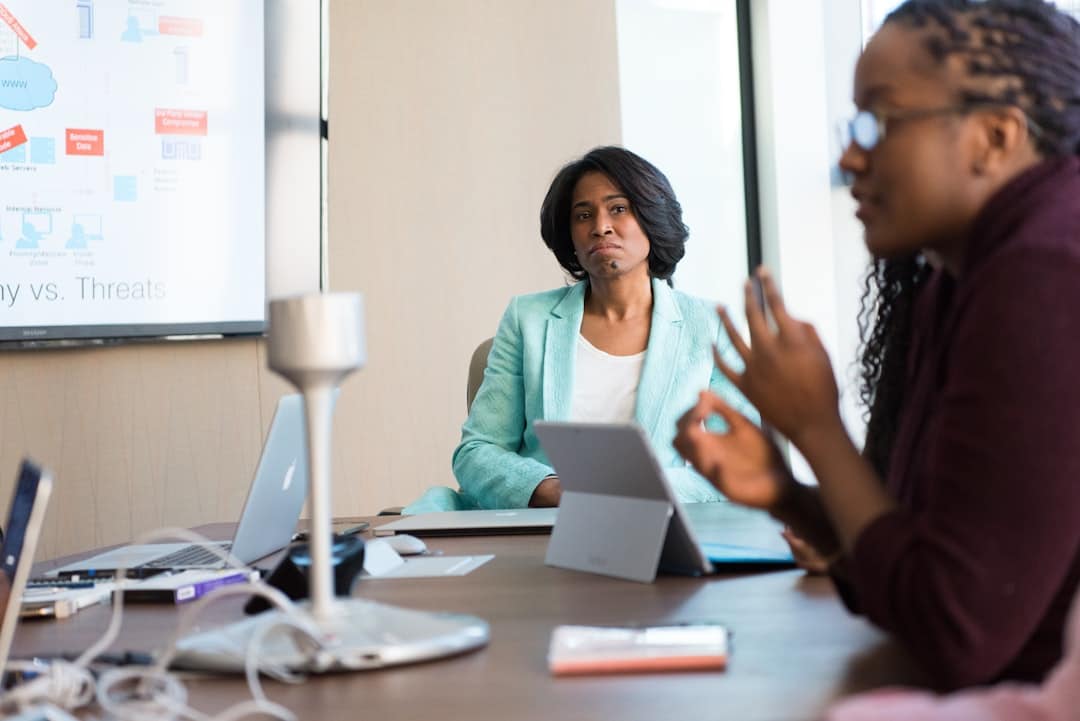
[(131, 157)]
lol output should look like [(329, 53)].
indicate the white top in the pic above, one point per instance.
[(605, 385)]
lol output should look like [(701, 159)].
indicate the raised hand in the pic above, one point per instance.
[(787, 373)]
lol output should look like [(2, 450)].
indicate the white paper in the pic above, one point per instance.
[(436, 566)]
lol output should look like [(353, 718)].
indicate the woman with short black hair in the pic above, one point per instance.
[(618, 345), (656, 209)]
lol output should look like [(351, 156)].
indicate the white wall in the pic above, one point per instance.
[(448, 119)]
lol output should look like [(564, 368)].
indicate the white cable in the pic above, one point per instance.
[(259, 703), (61, 683), (120, 575), (167, 703), (134, 694)]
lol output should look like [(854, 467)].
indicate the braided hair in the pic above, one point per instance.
[(1024, 53)]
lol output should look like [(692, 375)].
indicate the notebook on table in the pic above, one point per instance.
[(473, 523), (275, 498), (619, 515), (25, 517)]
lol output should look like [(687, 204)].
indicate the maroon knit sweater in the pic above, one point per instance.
[(975, 570)]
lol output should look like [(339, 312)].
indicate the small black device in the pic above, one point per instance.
[(291, 574)]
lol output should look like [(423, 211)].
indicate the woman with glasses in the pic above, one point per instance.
[(966, 544)]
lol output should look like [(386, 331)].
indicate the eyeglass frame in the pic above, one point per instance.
[(881, 120)]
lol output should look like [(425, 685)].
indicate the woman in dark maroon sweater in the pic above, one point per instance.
[(964, 149)]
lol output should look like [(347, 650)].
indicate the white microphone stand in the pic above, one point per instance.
[(315, 341)]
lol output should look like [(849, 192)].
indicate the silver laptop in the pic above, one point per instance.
[(473, 523), (619, 515), (25, 516), (271, 511)]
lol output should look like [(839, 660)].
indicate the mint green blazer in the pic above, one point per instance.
[(530, 376)]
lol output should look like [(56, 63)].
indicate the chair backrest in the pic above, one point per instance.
[(477, 364)]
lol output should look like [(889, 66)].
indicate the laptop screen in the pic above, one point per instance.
[(24, 519)]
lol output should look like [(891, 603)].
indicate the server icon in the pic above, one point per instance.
[(85, 9)]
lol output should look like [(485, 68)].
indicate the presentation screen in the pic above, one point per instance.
[(132, 168)]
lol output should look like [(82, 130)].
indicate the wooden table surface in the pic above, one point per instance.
[(795, 647)]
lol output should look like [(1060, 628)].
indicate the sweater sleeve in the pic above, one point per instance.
[(486, 462), (965, 575)]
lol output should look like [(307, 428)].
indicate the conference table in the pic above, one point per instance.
[(795, 648)]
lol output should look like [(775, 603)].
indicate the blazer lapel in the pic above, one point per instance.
[(560, 352), (661, 358)]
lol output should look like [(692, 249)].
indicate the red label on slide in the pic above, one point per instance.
[(180, 122), (11, 138), (189, 27), (85, 142), (12, 23)]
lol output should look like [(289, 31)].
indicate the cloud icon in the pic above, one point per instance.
[(25, 85)]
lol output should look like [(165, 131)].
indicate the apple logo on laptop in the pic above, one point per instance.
[(289, 476)]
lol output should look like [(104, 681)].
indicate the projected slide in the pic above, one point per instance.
[(132, 171)]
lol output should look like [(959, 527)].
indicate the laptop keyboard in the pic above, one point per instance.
[(188, 556)]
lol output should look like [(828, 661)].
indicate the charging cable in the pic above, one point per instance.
[(134, 694)]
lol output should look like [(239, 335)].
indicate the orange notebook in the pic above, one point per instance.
[(601, 649)]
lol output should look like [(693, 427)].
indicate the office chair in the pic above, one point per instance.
[(477, 365)]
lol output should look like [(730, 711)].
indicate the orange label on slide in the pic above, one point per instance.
[(179, 122), (12, 23), (190, 27), (11, 138), (85, 142)]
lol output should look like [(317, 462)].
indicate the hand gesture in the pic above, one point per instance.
[(743, 463), (806, 556), (787, 373)]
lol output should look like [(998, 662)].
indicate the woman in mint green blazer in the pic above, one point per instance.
[(613, 222)]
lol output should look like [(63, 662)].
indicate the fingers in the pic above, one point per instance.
[(775, 301), (713, 404), (805, 555), (728, 371), (692, 436), (755, 314), (733, 335), (692, 422)]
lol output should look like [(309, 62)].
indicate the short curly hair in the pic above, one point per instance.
[(651, 199)]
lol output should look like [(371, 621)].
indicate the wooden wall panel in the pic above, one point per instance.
[(139, 436)]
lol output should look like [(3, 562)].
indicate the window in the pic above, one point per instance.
[(681, 109)]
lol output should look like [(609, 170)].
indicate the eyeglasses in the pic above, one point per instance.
[(868, 127)]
